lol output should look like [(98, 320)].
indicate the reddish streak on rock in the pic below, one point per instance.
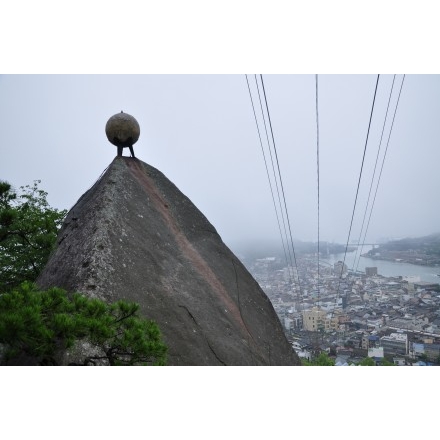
[(185, 246)]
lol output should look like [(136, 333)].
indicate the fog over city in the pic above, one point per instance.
[(200, 131)]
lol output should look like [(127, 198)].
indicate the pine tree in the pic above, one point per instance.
[(37, 327)]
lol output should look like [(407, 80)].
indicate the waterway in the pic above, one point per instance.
[(386, 268)]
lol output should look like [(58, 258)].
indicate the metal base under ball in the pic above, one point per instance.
[(131, 150)]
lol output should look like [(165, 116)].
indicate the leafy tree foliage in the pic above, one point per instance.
[(370, 362), (28, 232), (367, 362), (322, 360), (36, 327)]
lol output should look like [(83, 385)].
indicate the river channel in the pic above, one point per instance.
[(386, 268)]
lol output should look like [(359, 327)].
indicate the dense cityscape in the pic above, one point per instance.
[(351, 315)]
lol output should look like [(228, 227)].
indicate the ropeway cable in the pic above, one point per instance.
[(317, 171), (383, 160), (357, 190), (290, 265), (359, 249), (268, 176), (281, 180)]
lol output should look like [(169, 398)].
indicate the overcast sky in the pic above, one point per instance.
[(200, 131)]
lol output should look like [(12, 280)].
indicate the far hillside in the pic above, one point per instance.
[(420, 250)]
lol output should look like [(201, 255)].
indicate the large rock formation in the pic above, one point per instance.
[(135, 236)]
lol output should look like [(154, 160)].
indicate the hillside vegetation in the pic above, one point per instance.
[(421, 250)]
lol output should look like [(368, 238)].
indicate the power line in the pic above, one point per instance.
[(289, 265), (267, 172), (359, 250), (281, 180), (317, 170), (384, 157), (359, 181)]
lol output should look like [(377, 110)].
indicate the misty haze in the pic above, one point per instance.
[(324, 188), (200, 131)]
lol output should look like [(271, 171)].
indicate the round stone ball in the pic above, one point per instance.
[(122, 130)]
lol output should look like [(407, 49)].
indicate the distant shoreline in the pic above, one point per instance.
[(400, 260)]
